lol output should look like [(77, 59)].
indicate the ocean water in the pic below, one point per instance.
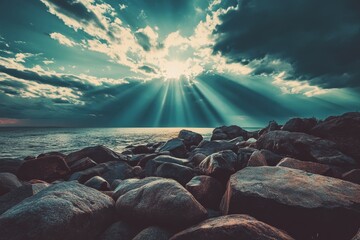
[(22, 142)]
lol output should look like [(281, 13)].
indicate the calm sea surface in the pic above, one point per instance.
[(22, 142)]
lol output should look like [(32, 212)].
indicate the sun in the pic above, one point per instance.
[(174, 70)]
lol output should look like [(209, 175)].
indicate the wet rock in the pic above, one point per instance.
[(352, 176), (153, 233), (131, 184), (10, 165), (153, 164), (8, 182), (48, 168), (98, 183), (228, 133), (175, 146), (311, 167), (219, 165), (179, 173), (14, 197), (82, 164), (119, 231), (63, 211), (163, 202), (264, 158), (324, 207), (304, 147), (207, 190), (235, 226), (272, 126), (299, 125), (109, 171), (344, 130), (98, 154), (190, 138), (209, 147)]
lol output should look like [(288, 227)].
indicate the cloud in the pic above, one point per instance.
[(147, 69), (316, 41), (62, 39)]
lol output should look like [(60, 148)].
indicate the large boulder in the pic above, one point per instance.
[(299, 125), (109, 171), (311, 167), (207, 190), (10, 165), (119, 231), (99, 154), (17, 195), (131, 184), (244, 155), (272, 126), (98, 183), (304, 147), (209, 147), (153, 233), (179, 173), (82, 164), (152, 164), (237, 226), (190, 138), (344, 130), (63, 211), (229, 132), (307, 206), (8, 182), (219, 165), (164, 202), (48, 168), (264, 156), (175, 146)]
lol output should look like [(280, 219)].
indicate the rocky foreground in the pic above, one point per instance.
[(296, 181)]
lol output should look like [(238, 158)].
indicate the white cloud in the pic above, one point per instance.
[(62, 39), (122, 6), (47, 62)]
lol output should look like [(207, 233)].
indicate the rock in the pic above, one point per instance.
[(141, 149), (190, 138), (219, 165), (60, 212), (324, 207), (299, 125), (209, 147), (109, 171), (82, 164), (344, 130), (98, 183), (244, 155), (311, 167), (98, 154), (179, 173), (163, 202), (131, 184), (352, 176), (304, 147), (197, 158), (8, 182), (14, 197), (228, 132), (153, 233), (119, 231), (207, 190), (153, 164), (49, 154), (10, 165), (272, 126), (175, 146), (235, 226), (357, 236), (264, 158), (48, 168)]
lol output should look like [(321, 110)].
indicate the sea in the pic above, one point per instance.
[(19, 142)]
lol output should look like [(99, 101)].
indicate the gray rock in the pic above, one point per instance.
[(119, 231), (179, 173), (190, 138), (175, 146), (131, 184), (98, 183), (153, 164), (82, 164), (8, 182), (229, 132), (153, 233), (10, 165), (299, 125)]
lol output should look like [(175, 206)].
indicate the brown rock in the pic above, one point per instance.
[(352, 176), (311, 167)]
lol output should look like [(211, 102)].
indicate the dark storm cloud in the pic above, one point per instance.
[(320, 39)]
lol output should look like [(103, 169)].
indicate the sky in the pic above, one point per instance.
[(171, 63)]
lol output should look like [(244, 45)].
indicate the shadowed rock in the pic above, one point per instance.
[(163, 202), (232, 227), (98, 183), (48, 168), (272, 126), (153, 233), (82, 164), (119, 231), (243, 156), (207, 190), (10, 165), (299, 125), (357, 236), (264, 158), (99, 154), (175, 146), (64, 211), (179, 173), (209, 147), (311, 167), (8, 182), (153, 164), (49, 154), (352, 176), (228, 133), (304, 147), (324, 207), (109, 171), (190, 138)]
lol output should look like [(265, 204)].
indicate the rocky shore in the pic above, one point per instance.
[(296, 181)]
